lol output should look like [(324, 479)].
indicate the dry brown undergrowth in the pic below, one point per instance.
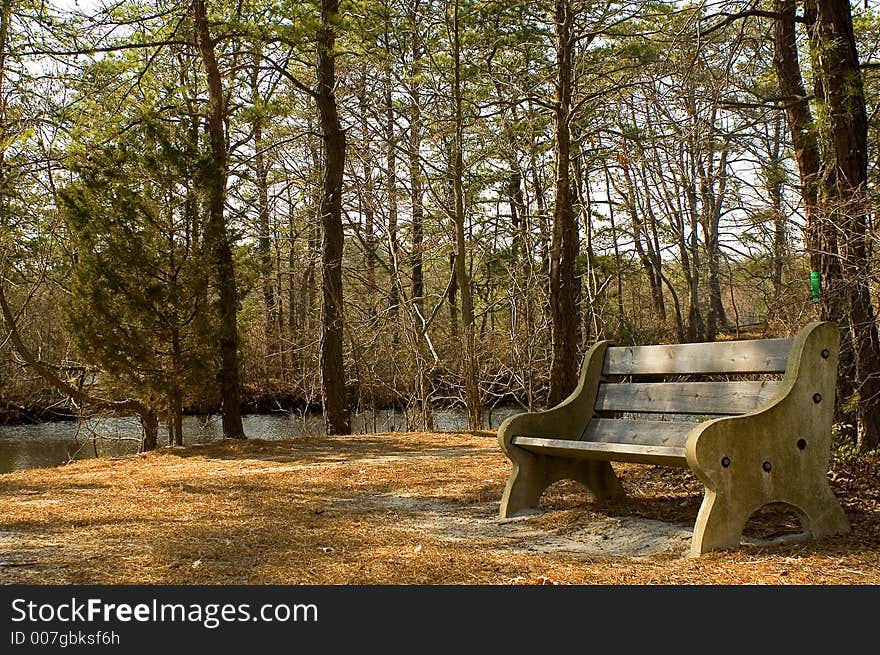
[(411, 508)]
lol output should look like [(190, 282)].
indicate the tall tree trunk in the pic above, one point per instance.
[(775, 184), (416, 188), (540, 208), (618, 264), (150, 424), (5, 15), (820, 236), (336, 415), (518, 215), (391, 187), (689, 239), (844, 149), (175, 392), (264, 239), (712, 205), (452, 292), (470, 369), (368, 196), (216, 232), (591, 329), (564, 240), (820, 240), (421, 384)]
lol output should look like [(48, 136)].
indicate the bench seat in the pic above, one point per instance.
[(673, 455)]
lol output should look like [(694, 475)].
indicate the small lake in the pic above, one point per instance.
[(38, 445)]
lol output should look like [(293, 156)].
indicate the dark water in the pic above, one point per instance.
[(52, 444)]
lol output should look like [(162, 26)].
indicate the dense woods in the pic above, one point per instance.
[(337, 205)]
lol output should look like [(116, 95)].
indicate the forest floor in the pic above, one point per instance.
[(402, 508)]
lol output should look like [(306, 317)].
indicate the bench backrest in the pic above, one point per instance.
[(755, 357)]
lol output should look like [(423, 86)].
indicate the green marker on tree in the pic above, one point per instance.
[(815, 282)]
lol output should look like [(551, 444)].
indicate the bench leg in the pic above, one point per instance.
[(524, 487), (596, 476), (722, 517), (821, 514), (532, 474), (719, 524)]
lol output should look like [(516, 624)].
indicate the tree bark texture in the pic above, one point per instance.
[(844, 146), (264, 229), (469, 364), (333, 391), (564, 240), (216, 231)]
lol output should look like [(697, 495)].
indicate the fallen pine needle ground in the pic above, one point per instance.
[(401, 508)]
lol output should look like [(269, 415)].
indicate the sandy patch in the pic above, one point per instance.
[(480, 526)]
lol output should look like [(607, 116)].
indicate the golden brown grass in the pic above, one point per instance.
[(377, 509)]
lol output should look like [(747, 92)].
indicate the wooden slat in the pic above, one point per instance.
[(646, 433), (756, 356), (685, 397), (642, 454)]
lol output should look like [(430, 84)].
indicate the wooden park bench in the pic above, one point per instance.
[(763, 437)]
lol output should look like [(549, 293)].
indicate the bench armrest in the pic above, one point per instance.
[(568, 419), (787, 435)]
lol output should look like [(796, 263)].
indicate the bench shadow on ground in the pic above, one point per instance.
[(32, 487), (318, 449)]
